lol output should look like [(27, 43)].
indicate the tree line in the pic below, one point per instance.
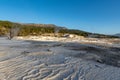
[(17, 29)]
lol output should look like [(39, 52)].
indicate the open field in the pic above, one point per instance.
[(51, 58)]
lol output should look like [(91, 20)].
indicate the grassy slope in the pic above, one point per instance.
[(38, 29)]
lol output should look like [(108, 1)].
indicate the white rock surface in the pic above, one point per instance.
[(42, 60)]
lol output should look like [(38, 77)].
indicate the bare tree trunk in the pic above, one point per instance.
[(13, 31)]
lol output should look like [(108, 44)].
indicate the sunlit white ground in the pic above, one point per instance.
[(58, 59)]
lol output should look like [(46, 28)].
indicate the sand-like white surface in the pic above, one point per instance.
[(58, 59)]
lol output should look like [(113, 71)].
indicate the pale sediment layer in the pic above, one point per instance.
[(59, 59)]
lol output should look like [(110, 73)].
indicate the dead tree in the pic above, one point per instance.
[(14, 30), (56, 31)]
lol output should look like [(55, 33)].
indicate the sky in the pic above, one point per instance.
[(97, 16)]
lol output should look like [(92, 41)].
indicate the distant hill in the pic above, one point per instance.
[(118, 34), (20, 29)]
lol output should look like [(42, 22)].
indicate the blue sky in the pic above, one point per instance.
[(99, 16)]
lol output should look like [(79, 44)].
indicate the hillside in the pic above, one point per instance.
[(118, 34), (20, 29), (56, 58)]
